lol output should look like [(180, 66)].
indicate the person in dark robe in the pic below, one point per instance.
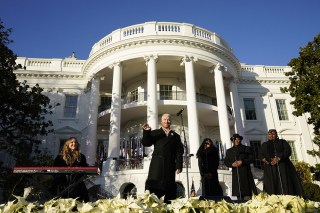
[(239, 157), (208, 162), (167, 159), (71, 185), (280, 176)]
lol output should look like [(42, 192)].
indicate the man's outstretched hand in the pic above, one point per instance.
[(146, 127)]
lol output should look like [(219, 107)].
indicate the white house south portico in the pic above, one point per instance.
[(135, 74)]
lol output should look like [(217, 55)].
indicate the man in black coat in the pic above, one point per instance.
[(239, 158), (166, 158), (280, 176)]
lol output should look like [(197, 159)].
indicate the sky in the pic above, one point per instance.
[(260, 32)]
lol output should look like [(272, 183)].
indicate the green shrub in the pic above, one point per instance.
[(312, 191), (316, 172), (304, 172)]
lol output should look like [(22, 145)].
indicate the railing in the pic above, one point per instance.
[(168, 27), (129, 164), (267, 70), (180, 95), (131, 154), (206, 99), (48, 65), (159, 29), (133, 31), (273, 69), (130, 98), (39, 63), (104, 107)]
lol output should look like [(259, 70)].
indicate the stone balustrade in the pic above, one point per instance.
[(51, 65), (160, 28), (264, 71)]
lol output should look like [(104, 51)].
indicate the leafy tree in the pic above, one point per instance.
[(23, 108), (305, 86), (22, 119)]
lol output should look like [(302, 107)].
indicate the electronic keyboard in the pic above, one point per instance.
[(55, 169)]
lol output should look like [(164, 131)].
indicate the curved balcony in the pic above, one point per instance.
[(162, 29), (178, 96)]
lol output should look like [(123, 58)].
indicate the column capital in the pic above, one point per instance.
[(233, 80), (94, 76), (188, 59), (116, 63), (219, 67), (148, 57)]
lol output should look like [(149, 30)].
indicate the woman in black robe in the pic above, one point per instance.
[(70, 156), (208, 162), (280, 176), (239, 157)]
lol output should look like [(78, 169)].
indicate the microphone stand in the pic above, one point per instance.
[(239, 187), (275, 153), (186, 154)]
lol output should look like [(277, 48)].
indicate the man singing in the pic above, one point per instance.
[(166, 159)]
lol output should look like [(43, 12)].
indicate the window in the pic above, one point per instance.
[(256, 149), (105, 103), (165, 92), (133, 96), (70, 107), (250, 109), (282, 109), (293, 156)]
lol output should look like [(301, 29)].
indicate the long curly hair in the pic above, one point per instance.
[(68, 155)]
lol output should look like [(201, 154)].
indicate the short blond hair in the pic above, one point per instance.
[(166, 115)]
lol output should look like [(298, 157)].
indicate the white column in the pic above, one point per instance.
[(115, 113), (222, 107), (152, 108), (236, 107), (91, 139), (193, 121)]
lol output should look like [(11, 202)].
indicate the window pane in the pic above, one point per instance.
[(133, 95), (105, 103), (250, 109), (165, 92), (282, 109), (70, 108), (293, 156), (256, 148)]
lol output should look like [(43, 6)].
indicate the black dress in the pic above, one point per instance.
[(208, 162), (166, 159), (280, 178), (242, 178), (62, 181)]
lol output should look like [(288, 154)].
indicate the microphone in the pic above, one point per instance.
[(179, 113)]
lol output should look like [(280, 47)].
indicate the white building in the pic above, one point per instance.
[(135, 74)]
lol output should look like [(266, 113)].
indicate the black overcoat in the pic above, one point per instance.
[(245, 183), (208, 162), (284, 170), (61, 181), (166, 159)]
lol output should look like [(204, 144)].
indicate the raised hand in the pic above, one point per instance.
[(146, 126)]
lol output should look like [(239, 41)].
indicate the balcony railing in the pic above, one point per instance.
[(181, 95), (132, 154), (160, 29), (129, 164)]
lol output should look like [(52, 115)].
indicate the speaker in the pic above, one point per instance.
[(217, 198), (220, 198)]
